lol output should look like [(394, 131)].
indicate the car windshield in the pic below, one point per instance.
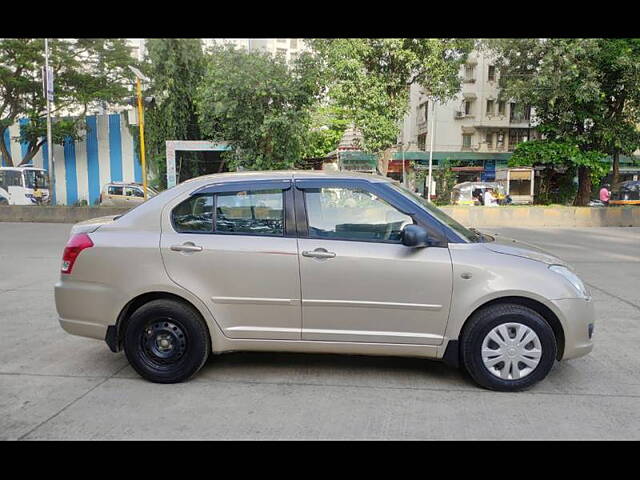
[(36, 177), (468, 234)]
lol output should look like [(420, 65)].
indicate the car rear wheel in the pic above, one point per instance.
[(166, 341), (508, 347)]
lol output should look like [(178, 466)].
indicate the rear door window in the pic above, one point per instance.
[(249, 212), (113, 190)]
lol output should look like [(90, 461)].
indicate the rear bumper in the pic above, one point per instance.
[(83, 329), (576, 316), (85, 308)]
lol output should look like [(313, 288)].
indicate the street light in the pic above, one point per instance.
[(139, 77), (47, 79), (433, 135)]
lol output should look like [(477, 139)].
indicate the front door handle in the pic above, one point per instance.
[(318, 253), (186, 247)]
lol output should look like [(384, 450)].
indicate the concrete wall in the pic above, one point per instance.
[(17, 213), (546, 216), (470, 216)]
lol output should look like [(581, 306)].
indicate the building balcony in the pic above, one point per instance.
[(471, 148), (500, 148), (519, 119), (460, 115)]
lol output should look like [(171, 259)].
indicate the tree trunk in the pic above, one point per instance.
[(584, 187), (616, 168), (3, 149), (31, 152)]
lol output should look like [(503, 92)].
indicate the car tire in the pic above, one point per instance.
[(166, 341), (507, 364)]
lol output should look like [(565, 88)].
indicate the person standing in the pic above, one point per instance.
[(490, 199), (605, 194)]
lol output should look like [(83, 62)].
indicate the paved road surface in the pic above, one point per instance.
[(56, 386)]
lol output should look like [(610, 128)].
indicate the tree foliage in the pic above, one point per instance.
[(585, 94), (259, 104), (87, 73), (369, 78), (327, 125), (560, 160), (176, 68)]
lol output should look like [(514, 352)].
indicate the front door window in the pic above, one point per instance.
[(353, 214)]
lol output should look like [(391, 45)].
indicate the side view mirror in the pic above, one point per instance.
[(415, 236)]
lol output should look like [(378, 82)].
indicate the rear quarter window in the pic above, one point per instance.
[(194, 215)]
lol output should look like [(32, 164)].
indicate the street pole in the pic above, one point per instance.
[(433, 134), (141, 125), (404, 173), (49, 88)]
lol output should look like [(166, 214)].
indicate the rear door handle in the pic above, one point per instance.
[(186, 247), (318, 253)]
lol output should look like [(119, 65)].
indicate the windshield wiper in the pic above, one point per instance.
[(480, 235)]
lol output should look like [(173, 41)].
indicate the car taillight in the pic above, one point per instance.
[(74, 246)]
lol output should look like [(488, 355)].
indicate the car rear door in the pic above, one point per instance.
[(359, 282), (234, 246)]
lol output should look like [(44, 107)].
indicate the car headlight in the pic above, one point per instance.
[(572, 278)]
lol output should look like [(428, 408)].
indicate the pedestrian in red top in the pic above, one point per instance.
[(605, 194)]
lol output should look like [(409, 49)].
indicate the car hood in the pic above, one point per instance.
[(517, 248)]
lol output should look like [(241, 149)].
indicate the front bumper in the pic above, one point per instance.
[(578, 319)]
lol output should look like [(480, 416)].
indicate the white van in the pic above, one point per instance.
[(18, 185)]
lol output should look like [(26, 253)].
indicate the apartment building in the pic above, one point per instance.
[(476, 128), (290, 48)]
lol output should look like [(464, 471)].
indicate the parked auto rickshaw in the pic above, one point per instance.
[(462, 193), (626, 193)]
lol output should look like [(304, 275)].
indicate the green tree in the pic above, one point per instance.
[(564, 158), (176, 68), (369, 78), (327, 125), (259, 104), (87, 73), (585, 94)]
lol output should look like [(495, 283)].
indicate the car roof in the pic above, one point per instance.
[(123, 184), (282, 174), (477, 184)]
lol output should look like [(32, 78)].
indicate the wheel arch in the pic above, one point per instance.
[(545, 312), (117, 335)]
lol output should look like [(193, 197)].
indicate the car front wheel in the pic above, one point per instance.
[(508, 347), (166, 341)]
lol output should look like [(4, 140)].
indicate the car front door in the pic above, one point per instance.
[(359, 282), (234, 246)]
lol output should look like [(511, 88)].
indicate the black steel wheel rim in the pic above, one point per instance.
[(163, 342)]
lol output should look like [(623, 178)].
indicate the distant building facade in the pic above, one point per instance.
[(290, 48), (475, 128)]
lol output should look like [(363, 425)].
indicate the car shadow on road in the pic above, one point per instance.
[(276, 367)]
